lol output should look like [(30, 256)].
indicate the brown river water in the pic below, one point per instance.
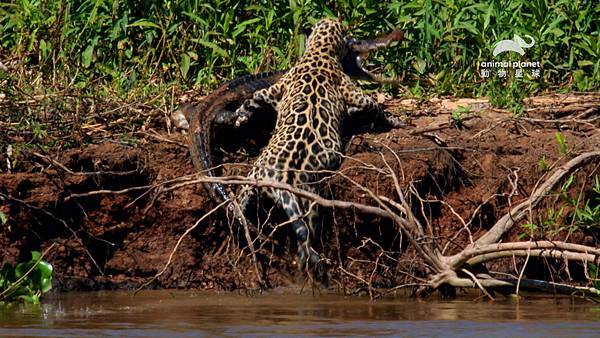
[(197, 314)]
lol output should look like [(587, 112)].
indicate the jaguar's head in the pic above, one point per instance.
[(327, 36)]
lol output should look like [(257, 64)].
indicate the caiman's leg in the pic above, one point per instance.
[(268, 96)]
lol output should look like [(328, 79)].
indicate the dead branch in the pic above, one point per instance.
[(444, 268), (478, 254), (79, 173), (244, 222), (504, 224), (105, 192), (532, 284), (557, 254)]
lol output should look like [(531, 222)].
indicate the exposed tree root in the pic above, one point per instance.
[(447, 270)]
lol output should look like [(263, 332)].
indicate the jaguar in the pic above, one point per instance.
[(312, 100)]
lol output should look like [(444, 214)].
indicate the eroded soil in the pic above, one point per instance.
[(115, 220)]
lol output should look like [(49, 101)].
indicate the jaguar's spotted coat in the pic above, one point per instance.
[(311, 100)]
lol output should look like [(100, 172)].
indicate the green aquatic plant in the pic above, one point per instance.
[(26, 281)]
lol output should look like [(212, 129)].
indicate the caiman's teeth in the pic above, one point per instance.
[(365, 46), (360, 51), (367, 75)]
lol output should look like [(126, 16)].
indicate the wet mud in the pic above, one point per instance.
[(116, 222)]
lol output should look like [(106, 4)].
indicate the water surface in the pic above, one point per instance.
[(193, 314)]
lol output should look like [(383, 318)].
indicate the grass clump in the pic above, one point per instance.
[(569, 214), (68, 67)]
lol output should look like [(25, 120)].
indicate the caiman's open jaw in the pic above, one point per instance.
[(359, 50)]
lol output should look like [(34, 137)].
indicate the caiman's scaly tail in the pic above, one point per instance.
[(215, 111)]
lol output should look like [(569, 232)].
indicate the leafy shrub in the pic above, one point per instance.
[(26, 281), (204, 42)]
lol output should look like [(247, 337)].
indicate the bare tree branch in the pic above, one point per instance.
[(504, 224), (479, 254)]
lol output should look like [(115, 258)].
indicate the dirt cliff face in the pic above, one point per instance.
[(116, 212)]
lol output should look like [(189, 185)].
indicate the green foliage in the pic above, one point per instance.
[(588, 215), (543, 164), (194, 42), (3, 218), (571, 214), (509, 95), (76, 64), (457, 115), (562, 143), (26, 281), (594, 276)]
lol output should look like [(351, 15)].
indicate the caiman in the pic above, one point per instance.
[(215, 111), (220, 108)]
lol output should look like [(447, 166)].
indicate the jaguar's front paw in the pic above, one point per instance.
[(395, 121), (245, 112), (241, 120)]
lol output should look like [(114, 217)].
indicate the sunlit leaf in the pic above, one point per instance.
[(86, 56), (185, 65), (144, 23)]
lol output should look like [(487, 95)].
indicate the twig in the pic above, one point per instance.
[(527, 256), (476, 280), (242, 219), (517, 213), (187, 231), (63, 222), (105, 191), (87, 173), (156, 136)]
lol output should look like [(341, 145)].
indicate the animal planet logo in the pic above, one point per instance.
[(517, 44)]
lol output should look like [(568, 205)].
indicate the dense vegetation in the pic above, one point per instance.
[(126, 44), (75, 70), (87, 62)]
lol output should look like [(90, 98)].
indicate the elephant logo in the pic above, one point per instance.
[(515, 45)]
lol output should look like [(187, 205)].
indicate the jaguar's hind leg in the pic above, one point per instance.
[(314, 224), (294, 210)]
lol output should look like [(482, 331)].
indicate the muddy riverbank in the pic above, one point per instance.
[(112, 207)]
